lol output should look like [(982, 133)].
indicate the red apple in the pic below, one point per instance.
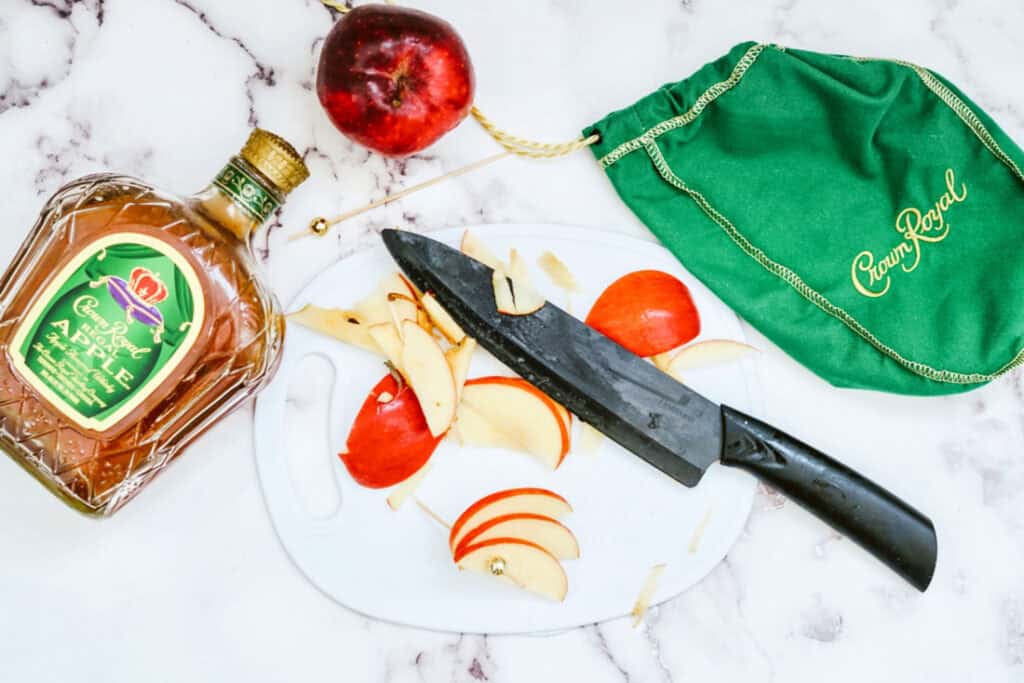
[(647, 311), (394, 79), (390, 440)]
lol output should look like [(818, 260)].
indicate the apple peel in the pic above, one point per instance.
[(698, 532), (647, 590), (344, 325), (558, 272)]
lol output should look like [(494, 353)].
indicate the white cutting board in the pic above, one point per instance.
[(396, 566)]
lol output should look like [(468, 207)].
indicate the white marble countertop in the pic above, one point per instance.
[(190, 583)]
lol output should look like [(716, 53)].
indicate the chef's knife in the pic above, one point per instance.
[(660, 420)]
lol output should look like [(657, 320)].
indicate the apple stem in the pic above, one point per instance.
[(430, 513)]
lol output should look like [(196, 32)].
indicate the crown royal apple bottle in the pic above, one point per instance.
[(131, 320)]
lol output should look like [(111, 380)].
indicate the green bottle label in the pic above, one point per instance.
[(246, 192), (110, 327)]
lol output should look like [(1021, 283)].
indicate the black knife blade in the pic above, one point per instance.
[(658, 419)]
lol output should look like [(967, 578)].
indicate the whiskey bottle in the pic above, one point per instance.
[(132, 320)]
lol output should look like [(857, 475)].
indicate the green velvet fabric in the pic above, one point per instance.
[(863, 214)]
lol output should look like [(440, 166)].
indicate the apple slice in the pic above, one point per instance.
[(546, 532), (375, 308), (403, 308), (440, 318), (708, 353), (344, 325), (590, 439), (522, 500), (558, 272), (518, 562), (503, 299), (459, 359), (527, 299), (426, 369), (474, 248), (385, 336), (401, 493), (508, 412)]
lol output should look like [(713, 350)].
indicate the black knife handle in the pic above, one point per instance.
[(861, 510)]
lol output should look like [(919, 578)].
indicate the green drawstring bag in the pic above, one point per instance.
[(863, 214)]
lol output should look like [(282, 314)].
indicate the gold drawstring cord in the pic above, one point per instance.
[(513, 145)]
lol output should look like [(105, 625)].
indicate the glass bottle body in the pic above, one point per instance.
[(130, 321)]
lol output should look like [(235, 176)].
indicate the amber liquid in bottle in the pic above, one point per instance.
[(132, 320)]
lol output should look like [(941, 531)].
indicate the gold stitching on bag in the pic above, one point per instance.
[(706, 98), (812, 295)]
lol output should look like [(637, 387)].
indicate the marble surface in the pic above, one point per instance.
[(189, 583)]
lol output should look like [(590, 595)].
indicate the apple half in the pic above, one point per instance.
[(426, 370), (518, 562), (509, 412), (536, 501), (546, 532)]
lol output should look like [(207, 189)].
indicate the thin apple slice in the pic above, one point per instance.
[(503, 299), (518, 562), (375, 308), (386, 337), (546, 532), (459, 359), (403, 308), (344, 325), (590, 439), (508, 412), (527, 299), (643, 601), (662, 361), (558, 272), (707, 353), (444, 322), (521, 500), (474, 248), (426, 369), (405, 489)]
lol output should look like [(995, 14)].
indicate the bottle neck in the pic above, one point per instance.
[(240, 199)]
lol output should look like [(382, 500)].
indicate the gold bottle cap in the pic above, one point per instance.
[(272, 156)]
